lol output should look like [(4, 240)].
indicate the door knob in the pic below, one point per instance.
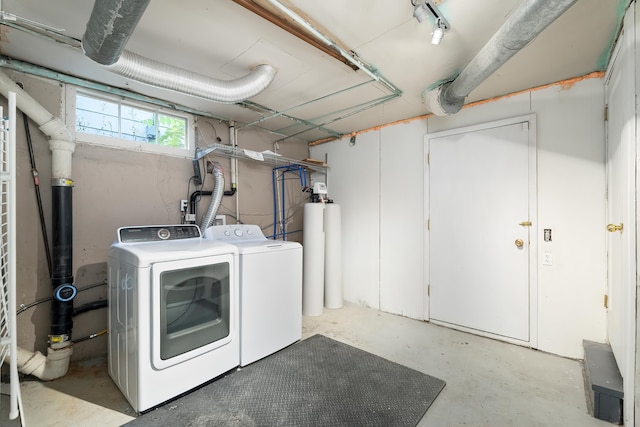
[(612, 228), (519, 243)]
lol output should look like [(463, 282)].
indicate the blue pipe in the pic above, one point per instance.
[(274, 179)]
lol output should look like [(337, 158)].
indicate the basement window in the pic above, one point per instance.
[(114, 122)]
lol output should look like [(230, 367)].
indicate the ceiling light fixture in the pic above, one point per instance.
[(422, 9), (438, 32), (420, 12)]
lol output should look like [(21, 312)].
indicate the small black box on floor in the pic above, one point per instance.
[(604, 382)]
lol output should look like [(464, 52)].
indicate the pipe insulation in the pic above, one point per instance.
[(56, 363), (523, 25), (110, 26), (216, 197)]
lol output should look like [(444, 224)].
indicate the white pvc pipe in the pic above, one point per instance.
[(234, 134), (24, 101), (234, 161), (60, 143), (61, 147), (14, 381), (56, 363)]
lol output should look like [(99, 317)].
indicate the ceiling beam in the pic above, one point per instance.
[(293, 29)]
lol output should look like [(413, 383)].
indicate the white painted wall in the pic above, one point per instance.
[(402, 213), (571, 184), (353, 181), (114, 188)]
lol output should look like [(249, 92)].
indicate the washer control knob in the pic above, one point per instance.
[(227, 233), (249, 232), (237, 232), (164, 234)]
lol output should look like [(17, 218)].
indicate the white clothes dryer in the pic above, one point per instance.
[(270, 289), (173, 312)]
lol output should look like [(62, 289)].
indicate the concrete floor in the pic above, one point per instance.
[(489, 383)]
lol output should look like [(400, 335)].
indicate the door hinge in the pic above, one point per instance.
[(606, 301), (428, 290), (606, 112), (429, 158), (429, 224)]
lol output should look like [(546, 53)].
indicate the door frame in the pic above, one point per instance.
[(625, 56), (533, 217)]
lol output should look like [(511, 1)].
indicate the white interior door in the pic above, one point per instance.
[(621, 140), (480, 182)]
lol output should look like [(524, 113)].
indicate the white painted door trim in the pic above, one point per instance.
[(533, 217), (625, 57)]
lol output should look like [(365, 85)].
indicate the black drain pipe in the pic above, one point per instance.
[(62, 278), (56, 363)]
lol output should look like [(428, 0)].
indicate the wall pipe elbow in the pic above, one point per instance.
[(46, 368)]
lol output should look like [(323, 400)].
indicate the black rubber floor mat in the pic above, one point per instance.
[(315, 382)]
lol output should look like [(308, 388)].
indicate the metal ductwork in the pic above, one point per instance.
[(524, 24), (216, 197), (157, 74), (111, 24)]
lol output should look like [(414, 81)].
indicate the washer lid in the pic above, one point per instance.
[(267, 246), (248, 238)]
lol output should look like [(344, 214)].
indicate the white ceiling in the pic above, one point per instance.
[(221, 39)]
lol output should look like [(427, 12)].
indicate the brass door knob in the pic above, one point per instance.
[(519, 243), (612, 228)]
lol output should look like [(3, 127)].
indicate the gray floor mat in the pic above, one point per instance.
[(315, 382)]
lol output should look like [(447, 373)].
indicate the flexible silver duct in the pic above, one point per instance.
[(524, 24), (216, 197), (157, 74), (111, 24)]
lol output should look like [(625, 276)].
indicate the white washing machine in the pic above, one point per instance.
[(173, 312), (270, 290)]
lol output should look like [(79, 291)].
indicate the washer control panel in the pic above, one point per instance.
[(234, 232), (158, 233)]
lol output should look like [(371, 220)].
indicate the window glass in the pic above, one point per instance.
[(96, 116), (112, 117)]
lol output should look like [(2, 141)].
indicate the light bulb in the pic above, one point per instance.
[(437, 35)]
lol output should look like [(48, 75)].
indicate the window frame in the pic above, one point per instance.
[(126, 144)]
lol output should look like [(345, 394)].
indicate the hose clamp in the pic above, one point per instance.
[(62, 182)]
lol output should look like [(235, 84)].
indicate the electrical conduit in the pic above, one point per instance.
[(56, 363)]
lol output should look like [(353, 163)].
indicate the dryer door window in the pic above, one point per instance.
[(194, 308)]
